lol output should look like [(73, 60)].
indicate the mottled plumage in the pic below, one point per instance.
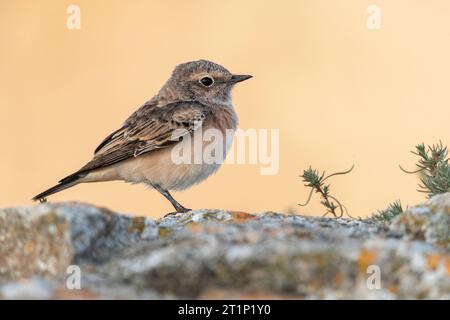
[(198, 94)]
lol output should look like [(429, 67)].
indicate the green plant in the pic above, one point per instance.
[(433, 168), (317, 184), (393, 210)]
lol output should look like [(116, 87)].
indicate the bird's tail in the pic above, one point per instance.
[(65, 183)]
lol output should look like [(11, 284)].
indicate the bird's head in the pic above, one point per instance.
[(203, 81)]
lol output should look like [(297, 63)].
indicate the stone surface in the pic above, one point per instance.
[(33, 242), (429, 222), (214, 254)]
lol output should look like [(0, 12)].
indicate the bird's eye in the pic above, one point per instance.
[(207, 81)]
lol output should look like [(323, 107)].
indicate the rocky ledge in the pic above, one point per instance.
[(73, 250)]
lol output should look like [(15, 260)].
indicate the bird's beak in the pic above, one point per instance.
[(235, 78)]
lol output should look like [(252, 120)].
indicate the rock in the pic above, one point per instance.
[(29, 289), (33, 242), (97, 233), (429, 222), (211, 254), (282, 255), (45, 239)]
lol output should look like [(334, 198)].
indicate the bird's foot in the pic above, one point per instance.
[(179, 210)]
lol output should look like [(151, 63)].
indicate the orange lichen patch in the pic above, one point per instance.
[(314, 286), (338, 278), (433, 260), (366, 258), (89, 268), (240, 216), (392, 288), (447, 264), (137, 225), (195, 227), (29, 247), (163, 232), (66, 294)]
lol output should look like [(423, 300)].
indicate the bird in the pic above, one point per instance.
[(197, 95)]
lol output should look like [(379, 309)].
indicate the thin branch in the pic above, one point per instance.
[(309, 198), (339, 205), (339, 173), (411, 172)]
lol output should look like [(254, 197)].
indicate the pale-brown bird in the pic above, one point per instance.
[(197, 95)]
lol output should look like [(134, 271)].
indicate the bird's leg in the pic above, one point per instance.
[(178, 207)]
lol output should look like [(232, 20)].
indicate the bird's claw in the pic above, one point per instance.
[(179, 210)]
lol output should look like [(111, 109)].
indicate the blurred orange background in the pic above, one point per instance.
[(340, 94)]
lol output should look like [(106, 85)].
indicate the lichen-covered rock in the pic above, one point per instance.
[(429, 222), (97, 233), (46, 239), (283, 255), (216, 253), (33, 242)]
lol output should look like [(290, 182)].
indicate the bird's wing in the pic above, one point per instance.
[(149, 128)]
